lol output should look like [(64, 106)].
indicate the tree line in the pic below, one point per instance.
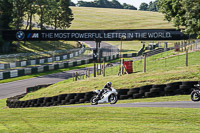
[(152, 6), (104, 4)]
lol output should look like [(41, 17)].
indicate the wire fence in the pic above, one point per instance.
[(159, 59), (163, 59)]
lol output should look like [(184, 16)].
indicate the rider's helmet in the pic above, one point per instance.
[(109, 84)]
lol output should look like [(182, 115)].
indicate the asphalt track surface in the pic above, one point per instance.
[(178, 104), (18, 87)]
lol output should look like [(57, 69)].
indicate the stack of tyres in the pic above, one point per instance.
[(143, 90), (132, 92), (78, 97), (31, 103), (15, 104), (40, 102), (28, 103), (20, 105), (86, 98), (70, 98), (156, 91), (122, 94), (173, 89), (187, 86), (61, 99), (55, 100), (48, 101)]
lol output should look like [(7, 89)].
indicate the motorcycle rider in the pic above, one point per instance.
[(106, 87)]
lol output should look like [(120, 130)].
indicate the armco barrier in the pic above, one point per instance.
[(38, 69), (146, 91)]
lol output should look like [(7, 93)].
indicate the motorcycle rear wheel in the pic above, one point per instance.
[(112, 99), (195, 96), (94, 100)]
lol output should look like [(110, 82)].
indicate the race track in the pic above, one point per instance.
[(178, 104), (18, 87)]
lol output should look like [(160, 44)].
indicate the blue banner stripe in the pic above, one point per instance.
[(29, 35)]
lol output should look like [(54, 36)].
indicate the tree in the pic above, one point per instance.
[(174, 11), (5, 14), (31, 10), (183, 13), (66, 16), (144, 6), (192, 16), (127, 6), (5, 21), (116, 4), (86, 4), (19, 9), (54, 12), (42, 12), (153, 6)]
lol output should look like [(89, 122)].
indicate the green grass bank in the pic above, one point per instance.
[(158, 74)]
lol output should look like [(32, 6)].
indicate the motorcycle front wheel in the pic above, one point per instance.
[(94, 100), (113, 99), (195, 96)]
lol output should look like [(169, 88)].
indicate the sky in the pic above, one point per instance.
[(135, 3)]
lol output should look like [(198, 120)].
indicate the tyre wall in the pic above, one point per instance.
[(147, 91)]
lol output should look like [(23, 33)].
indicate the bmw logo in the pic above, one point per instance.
[(20, 35)]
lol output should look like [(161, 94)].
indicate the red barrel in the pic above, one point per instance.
[(128, 66)]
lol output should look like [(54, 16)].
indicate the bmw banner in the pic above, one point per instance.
[(93, 35)]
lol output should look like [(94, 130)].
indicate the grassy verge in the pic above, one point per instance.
[(41, 46), (158, 75), (102, 119)]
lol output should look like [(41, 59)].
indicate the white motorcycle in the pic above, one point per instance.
[(195, 94), (108, 96)]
